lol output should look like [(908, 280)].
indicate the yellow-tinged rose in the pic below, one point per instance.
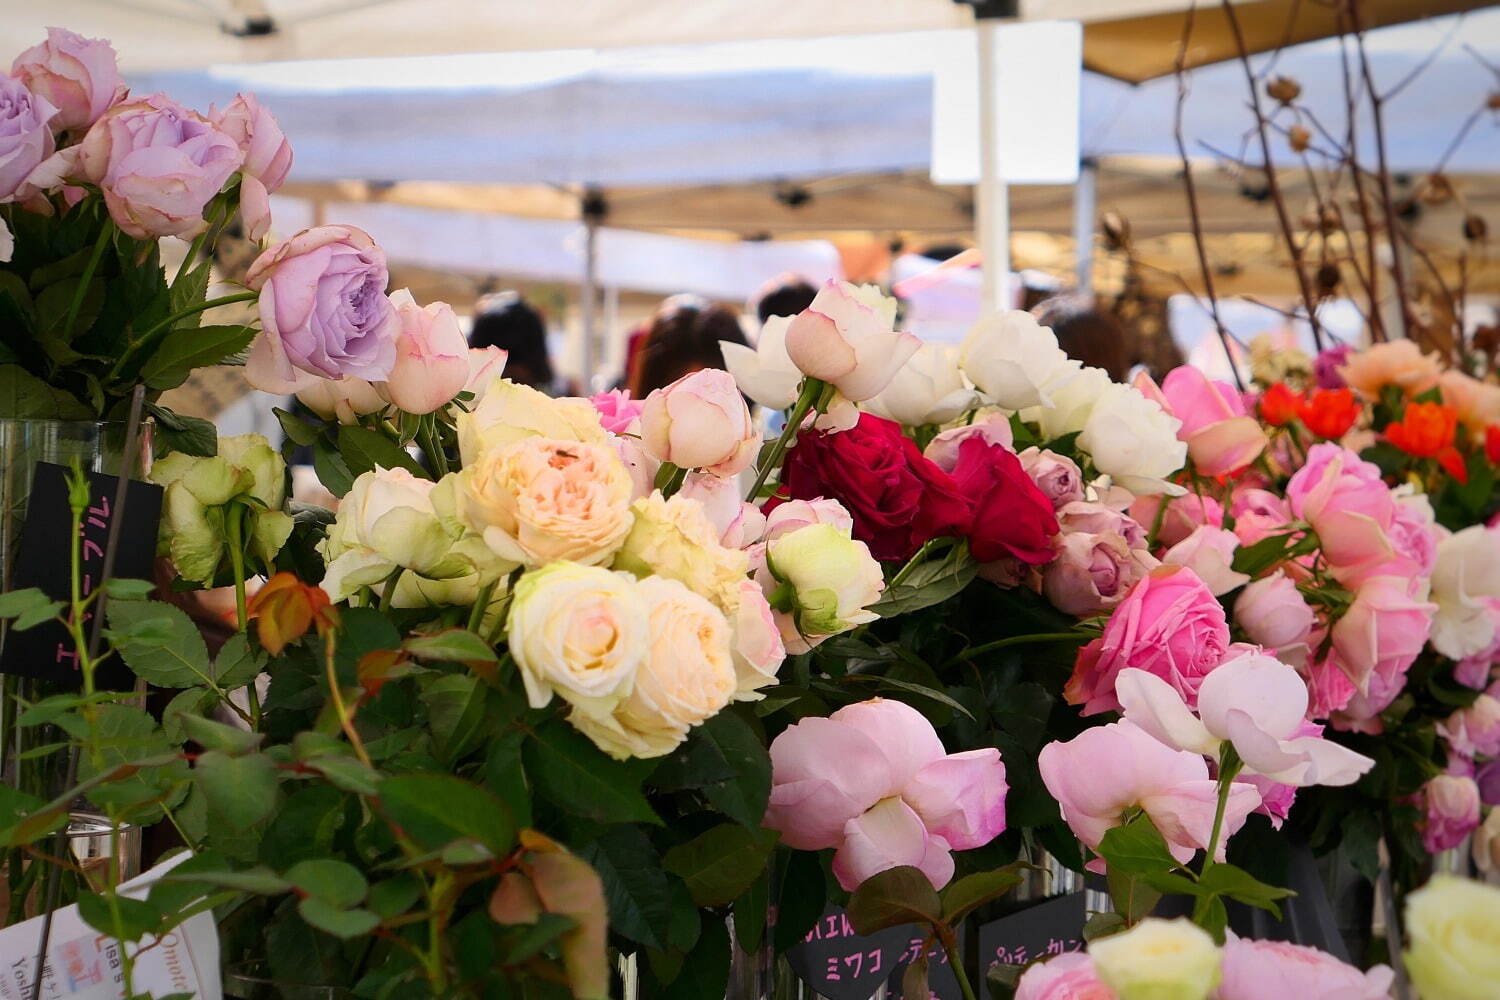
[(675, 539), (687, 677), (543, 499), (509, 412), (1453, 939), (820, 582), (1158, 960), (579, 632)]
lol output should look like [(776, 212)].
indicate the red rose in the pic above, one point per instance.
[(898, 499), (1011, 516)]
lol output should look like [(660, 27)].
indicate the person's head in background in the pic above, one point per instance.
[(784, 295), (1086, 332), (683, 338), (507, 322)]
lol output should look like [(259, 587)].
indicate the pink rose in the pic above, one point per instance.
[(159, 164), (1058, 477), (1092, 518), (1273, 613), (641, 466), (1258, 514), (783, 519), (1382, 631), (1209, 552), (617, 411), (268, 159), (1093, 573), (1329, 689), (1450, 803), (25, 136), (1474, 731), (1107, 771), (1362, 713), (1258, 970), (432, 356), (485, 365), (1413, 533), (739, 524), (323, 310), (755, 644), (78, 76), (1276, 799), (942, 450), (700, 422), (872, 782), (1220, 436), (1184, 515), (1169, 624), (845, 337), (1344, 500), (1069, 976)]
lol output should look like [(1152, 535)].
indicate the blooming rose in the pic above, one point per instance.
[(1093, 572), (25, 136), (899, 499), (1256, 970), (700, 422), (758, 648), (344, 400), (1012, 519), (1107, 771), (1133, 440), (872, 781), (432, 356), (739, 524), (788, 517), (1184, 515), (686, 679), (1450, 803), (1253, 701), (942, 450), (820, 582), (1474, 731), (765, 373), (1343, 498), (268, 158), (1169, 624), (1477, 403), (510, 412), (1069, 976), (1057, 476), (929, 389), (485, 366), (1158, 960), (1398, 362), (1209, 552), (1273, 613), (541, 499), (323, 309), (1465, 583), (673, 538), (845, 337), (1014, 360), (617, 411), (1220, 436), (1383, 630), (159, 164), (1276, 798), (1258, 514), (1278, 405), (1071, 403), (78, 76), (580, 632), (1450, 932)]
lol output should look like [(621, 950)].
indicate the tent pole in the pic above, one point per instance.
[(991, 199), (1084, 200), (587, 296)]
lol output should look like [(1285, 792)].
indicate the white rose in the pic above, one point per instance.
[(765, 372), (1209, 552), (820, 582), (928, 390), (1158, 960), (386, 520), (1071, 404), (1134, 441), (1450, 929), (1014, 360), (345, 400), (579, 632), (1464, 580)]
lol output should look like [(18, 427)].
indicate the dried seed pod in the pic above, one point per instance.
[(1299, 138), (1475, 228), (1328, 278), (1437, 189), (1284, 89)]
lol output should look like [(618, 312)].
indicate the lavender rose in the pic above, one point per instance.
[(159, 164), (25, 138), (1057, 476), (323, 310), (268, 158), (76, 75)]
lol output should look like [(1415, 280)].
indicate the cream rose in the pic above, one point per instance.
[(687, 676), (1071, 404), (1453, 939), (543, 499), (1134, 441), (1014, 360), (509, 412), (820, 582), (579, 632), (1465, 579), (930, 389), (675, 539), (1158, 960)]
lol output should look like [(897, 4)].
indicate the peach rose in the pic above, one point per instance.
[(1399, 362)]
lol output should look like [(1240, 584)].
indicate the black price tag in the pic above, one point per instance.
[(1042, 930), (43, 560), (842, 965)]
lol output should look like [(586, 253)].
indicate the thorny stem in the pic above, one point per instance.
[(346, 721), (1229, 767)]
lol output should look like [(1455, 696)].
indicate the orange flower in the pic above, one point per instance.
[(1492, 443), (1453, 462), (285, 608), (1425, 430), (1278, 404), (1329, 413)]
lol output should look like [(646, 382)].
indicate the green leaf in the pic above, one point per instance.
[(635, 884), (1210, 914), (298, 429), (187, 348), (333, 471), (923, 691), (337, 883), (1255, 559), (742, 798), (190, 290), (189, 701), (575, 775), (176, 659), (1137, 847), (189, 435), (258, 880), (1103, 925), (705, 969), (341, 923), (346, 773), (750, 913), (137, 917), (213, 735), (436, 809), (931, 582), (901, 895), (395, 895), (1133, 897), (14, 603), (241, 790), (237, 664), (457, 714), (34, 616), (973, 891), (120, 589), (364, 450), (1236, 883), (720, 863), (455, 645)]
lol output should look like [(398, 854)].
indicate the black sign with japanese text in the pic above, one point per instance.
[(842, 965), (1042, 930)]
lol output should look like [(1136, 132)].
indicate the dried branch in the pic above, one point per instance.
[(1351, 112)]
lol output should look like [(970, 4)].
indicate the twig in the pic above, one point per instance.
[(1372, 268), (1398, 269)]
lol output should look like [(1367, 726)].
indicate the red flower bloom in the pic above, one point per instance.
[(1329, 413), (1278, 404), (1425, 430), (1011, 516), (1492, 443), (898, 499), (1450, 459)]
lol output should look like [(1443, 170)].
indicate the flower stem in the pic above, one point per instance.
[(1017, 640), (955, 960), (432, 444), (85, 278), (912, 563), (389, 590), (812, 391), (1229, 767), (481, 603), (144, 340), (236, 528), (346, 721)]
